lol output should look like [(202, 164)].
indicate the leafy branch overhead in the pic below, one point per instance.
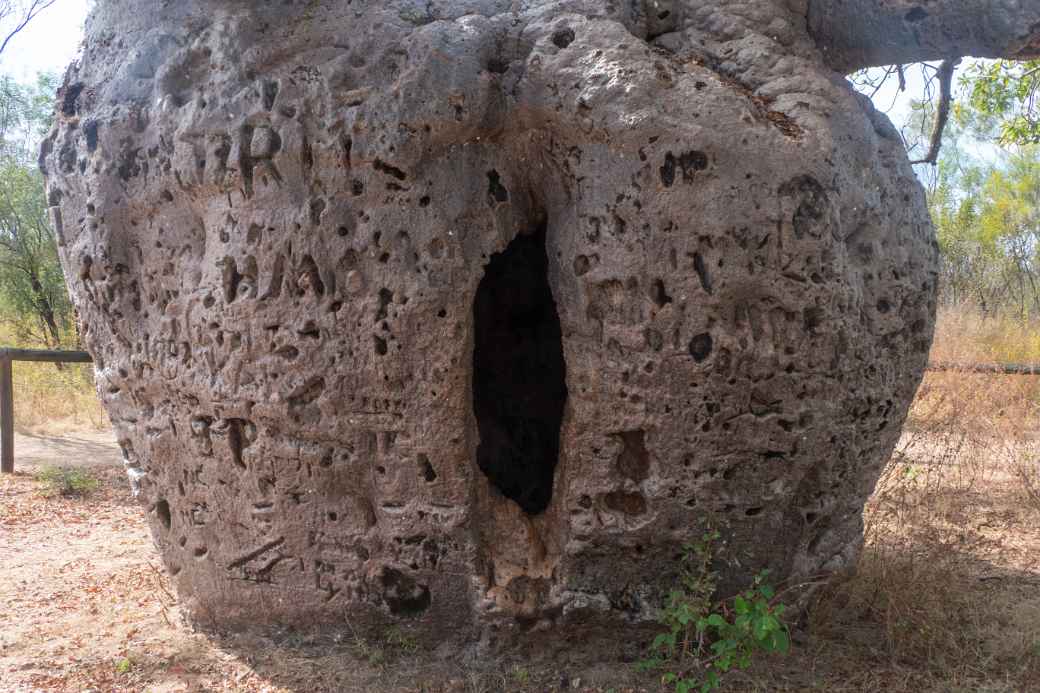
[(1010, 92), (856, 35)]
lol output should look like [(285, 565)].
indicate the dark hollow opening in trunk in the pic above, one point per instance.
[(519, 375)]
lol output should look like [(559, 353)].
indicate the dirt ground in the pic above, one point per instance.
[(85, 606)]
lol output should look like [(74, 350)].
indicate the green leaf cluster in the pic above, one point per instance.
[(987, 218), (69, 482), (1008, 91), (705, 639), (34, 303)]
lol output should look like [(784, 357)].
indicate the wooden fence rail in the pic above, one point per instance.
[(1000, 368), (7, 357)]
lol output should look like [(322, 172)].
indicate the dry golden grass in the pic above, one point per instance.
[(946, 594), (52, 400), (997, 414), (963, 333), (1006, 406)]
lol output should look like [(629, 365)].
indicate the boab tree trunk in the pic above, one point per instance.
[(473, 312)]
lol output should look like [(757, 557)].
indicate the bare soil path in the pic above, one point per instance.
[(91, 449)]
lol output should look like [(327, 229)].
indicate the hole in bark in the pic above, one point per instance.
[(691, 162), (624, 502), (668, 170), (91, 131), (519, 375), (563, 38), (498, 66), (380, 166), (702, 273), (496, 191), (404, 595), (69, 104), (162, 510), (426, 469), (659, 294), (386, 297), (235, 442), (700, 347), (634, 461), (916, 14), (270, 94)]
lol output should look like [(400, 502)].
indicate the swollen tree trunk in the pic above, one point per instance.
[(471, 313)]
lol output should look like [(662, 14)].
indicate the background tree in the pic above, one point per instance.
[(33, 299), (986, 207), (1008, 91), (972, 132)]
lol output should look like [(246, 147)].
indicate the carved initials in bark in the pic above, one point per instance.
[(470, 314)]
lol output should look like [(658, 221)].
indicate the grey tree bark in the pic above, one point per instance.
[(854, 34), (468, 314)]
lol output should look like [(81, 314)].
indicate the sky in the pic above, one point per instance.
[(49, 43)]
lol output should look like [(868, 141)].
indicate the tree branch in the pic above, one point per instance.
[(853, 34), (942, 114), (35, 7)]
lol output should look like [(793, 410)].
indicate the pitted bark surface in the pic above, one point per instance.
[(328, 255)]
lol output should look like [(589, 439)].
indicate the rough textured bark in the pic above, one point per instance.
[(468, 314), (854, 34)]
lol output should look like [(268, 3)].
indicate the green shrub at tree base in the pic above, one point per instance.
[(68, 482), (705, 639)]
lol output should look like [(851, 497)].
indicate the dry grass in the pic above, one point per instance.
[(51, 400), (945, 595), (998, 415), (963, 333)]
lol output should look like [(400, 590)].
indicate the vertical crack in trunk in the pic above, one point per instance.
[(519, 374)]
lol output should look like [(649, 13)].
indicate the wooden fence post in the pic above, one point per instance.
[(7, 357), (6, 416)]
